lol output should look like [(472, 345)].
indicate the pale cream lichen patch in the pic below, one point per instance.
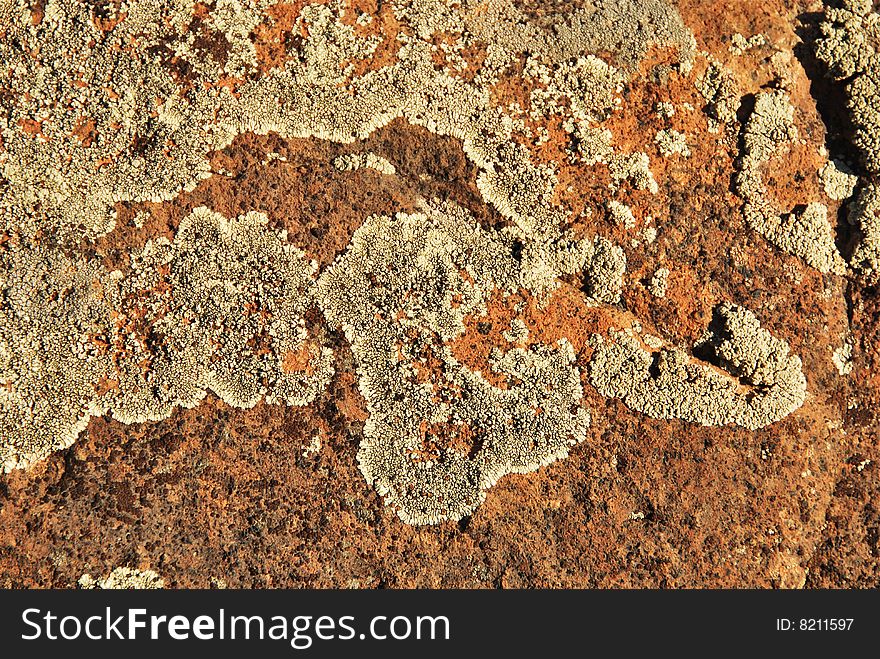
[(152, 138), (239, 295), (432, 447), (864, 213), (220, 308), (621, 214), (842, 358), (659, 283), (806, 233), (124, 578), (837, 180), (150, 127), (740, 45), (633, 167), (354, 161), (236, 20), (719, 89), (590, 86), (671, 142), (146, 141), (155, 116), (627, 28), (518, 332), (55, 323), (849, 48), (592, 144), (669, 384)]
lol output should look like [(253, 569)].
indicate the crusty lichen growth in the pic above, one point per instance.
[(634, 167), (740, 45), (851, 34), (144, 135), (54, 317), (806, 233), (671, 142), (864, 212), (590, 85), (837, 180), (220, 308), (239, 295), (720, 90), (842, 358), (621, 214), (849, 48), (669, 384), (659, 283), (354, 161), (627, 28), (138, 133), (128, 109), (108, 121), (433, 447), (124, 578), (518, 332)]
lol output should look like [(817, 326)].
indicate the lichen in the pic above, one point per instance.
[(842, 358), (354, 161), (719, 89), (740, 45), (220, 308), (634, 167), (669, 384), (659, 283), (518, 332), (123, 578), (627, 28), (621, 214), (129, 109), (671, 142), (239, 295), (590, 85), (54, 316), (807, 232), (864, 213), (433, 447), (837, 180), (851, 34)]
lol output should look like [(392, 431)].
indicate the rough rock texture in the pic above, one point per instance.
[(608, 174)]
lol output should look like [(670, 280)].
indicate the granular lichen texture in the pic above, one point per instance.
[(464, 293)]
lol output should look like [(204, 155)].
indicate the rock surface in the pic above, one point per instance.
[(274, 495)]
